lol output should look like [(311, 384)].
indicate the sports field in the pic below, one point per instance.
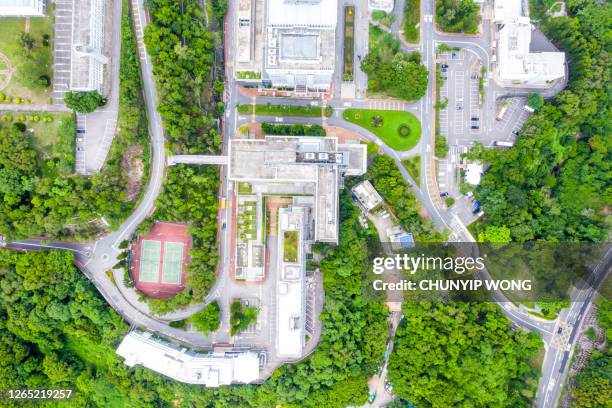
[(173, 262), (158, 260), (149, 262)]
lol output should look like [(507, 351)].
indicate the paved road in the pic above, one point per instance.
[(556, 362), (96, 258)]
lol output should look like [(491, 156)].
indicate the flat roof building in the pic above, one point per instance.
[(507, 10), (290, 286), (367, 195), (312, 165), (517, 65), (87, 57), (473, 173), (22, 8), (300, 44), (212, 370)]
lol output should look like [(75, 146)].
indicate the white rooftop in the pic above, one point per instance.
[(367, 195), (473, 173), (211, 370), (290, 286), (507, 10), (310, 13), (30, 8), (517, 65)]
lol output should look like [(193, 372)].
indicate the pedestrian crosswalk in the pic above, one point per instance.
[(386, 105)]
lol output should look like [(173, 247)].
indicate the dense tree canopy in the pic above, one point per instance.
[(555, 184), (458, 16), (461, 354), (389, 182), (83, 102), (57, 331), (190, 196), (391, 71), (182, 50), (207, 320), (41, 197)]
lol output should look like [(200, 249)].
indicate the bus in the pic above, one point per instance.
[(502, 111), (502, 144)]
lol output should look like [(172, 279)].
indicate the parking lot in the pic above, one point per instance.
[(61, 49), (512, 121), (461, 71)]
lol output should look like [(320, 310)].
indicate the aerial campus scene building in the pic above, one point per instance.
[(194, 194)]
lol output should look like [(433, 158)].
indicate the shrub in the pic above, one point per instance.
[(2, 96), (44, 80), (450, 201), (84, 102), (7, 118), (20, 126), (17, 100), (403, 130), (21, 118), (8, 100), (376, 121)]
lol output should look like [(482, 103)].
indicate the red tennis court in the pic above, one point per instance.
[(158, 260)]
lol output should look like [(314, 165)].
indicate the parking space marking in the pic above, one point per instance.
[(107, 140), (80, 146), (459, 108)]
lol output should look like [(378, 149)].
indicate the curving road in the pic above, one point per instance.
[(95, 258)]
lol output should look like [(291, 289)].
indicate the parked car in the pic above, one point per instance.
[(444, 194), (475, 127), (80, 130), (444, 66), (371, 397), (475, 118), (388, 387)]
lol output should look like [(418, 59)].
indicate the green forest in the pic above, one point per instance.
[(42, 197), (461, 354), (182, 49), (59, 332), (391, 72), (555, 184), (458, 16), (389, 182), (190, 195)]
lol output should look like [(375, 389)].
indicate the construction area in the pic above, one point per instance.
[(157, 261)]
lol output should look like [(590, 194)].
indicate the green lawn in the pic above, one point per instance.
[(389, 130), (413, 165), (290, 245), (281, 110), (28, 67)]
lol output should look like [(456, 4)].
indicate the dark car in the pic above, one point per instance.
[(475, 127), (80, 130), (475, 118), (444, 194), (444, 66)]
